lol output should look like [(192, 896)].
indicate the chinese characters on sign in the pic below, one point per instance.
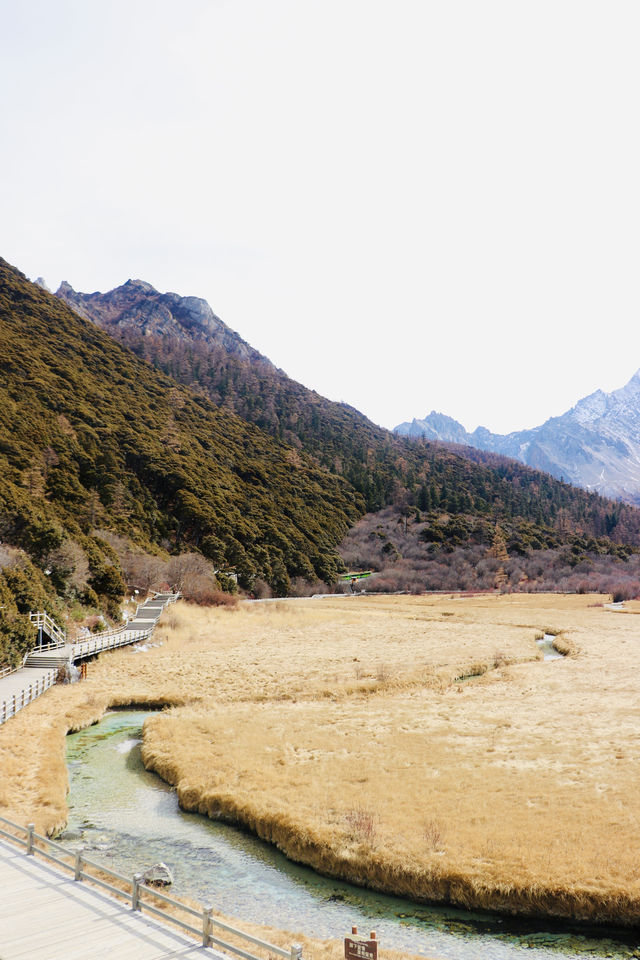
[(359, 948)]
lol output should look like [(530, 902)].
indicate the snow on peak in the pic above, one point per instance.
[(590, 408)]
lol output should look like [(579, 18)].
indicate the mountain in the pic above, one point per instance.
[(103, 452), (595, 444), (213, 360), (93, 438), (136, 305), (384, 469)]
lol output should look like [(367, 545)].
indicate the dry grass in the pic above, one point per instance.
[(341, 731)]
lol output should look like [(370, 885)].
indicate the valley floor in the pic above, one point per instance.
[(417, 745)]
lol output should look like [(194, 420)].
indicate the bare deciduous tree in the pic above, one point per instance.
[(183, 571)]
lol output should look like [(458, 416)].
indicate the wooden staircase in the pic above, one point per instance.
[(57, 658), (54, 650), (49, 633), (19, 687)]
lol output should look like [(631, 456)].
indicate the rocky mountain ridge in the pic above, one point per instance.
[(594, 445), (137, 305)]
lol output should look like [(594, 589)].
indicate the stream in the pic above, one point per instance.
[(549, 652), (129, 819)]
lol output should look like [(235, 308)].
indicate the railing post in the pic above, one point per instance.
[(296, 951), (77, 872), (135, 891), (206, 925), (30, 831)]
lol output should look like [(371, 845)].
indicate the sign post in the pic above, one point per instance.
[(360, 948)]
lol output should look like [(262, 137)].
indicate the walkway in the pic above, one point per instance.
[(41, 666), (46, 915), (20, 688)]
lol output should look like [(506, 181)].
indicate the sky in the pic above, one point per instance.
[(406, 205)]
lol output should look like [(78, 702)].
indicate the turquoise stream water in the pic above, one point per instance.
[(129, 819)]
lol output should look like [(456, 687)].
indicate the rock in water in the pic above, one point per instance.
[(159, 875)]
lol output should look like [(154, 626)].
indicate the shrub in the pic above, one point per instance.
[(261, 590), (300, 587), (108, 581), (361, 824), (211, 597), (621, 593), (433, 834)]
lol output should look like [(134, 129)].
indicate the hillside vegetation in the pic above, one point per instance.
[(383, 468), (415, 551), (91, 437)]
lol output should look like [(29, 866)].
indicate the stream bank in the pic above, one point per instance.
[(130, 817)]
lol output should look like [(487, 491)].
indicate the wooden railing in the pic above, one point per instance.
[(133, 890), (10, 706), (45, 624), (108, 641)]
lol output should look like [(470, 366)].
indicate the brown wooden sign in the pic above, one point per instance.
[(357, 948)]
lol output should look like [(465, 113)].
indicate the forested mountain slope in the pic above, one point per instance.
[(90, 437), (384, 468)]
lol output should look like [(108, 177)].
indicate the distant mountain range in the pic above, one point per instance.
[(595, 445)]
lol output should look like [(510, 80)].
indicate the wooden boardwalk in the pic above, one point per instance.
[(46, 915), (19, 688)]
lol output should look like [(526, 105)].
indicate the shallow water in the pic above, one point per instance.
[(546, 645), (130, 819)]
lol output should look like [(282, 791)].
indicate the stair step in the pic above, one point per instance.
[(45, 664)]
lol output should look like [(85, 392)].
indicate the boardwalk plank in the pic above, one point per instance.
[(46, 915)]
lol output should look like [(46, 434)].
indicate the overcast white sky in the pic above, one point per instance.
[(405, 205)]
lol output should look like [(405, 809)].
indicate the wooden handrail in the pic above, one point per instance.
[(136, 890), (43, 622), (10, 706)]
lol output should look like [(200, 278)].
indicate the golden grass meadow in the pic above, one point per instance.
[(416, 745)]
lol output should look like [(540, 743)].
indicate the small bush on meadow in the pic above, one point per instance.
[(621, 593), (211, 597), (361, 824), (433, 834)]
